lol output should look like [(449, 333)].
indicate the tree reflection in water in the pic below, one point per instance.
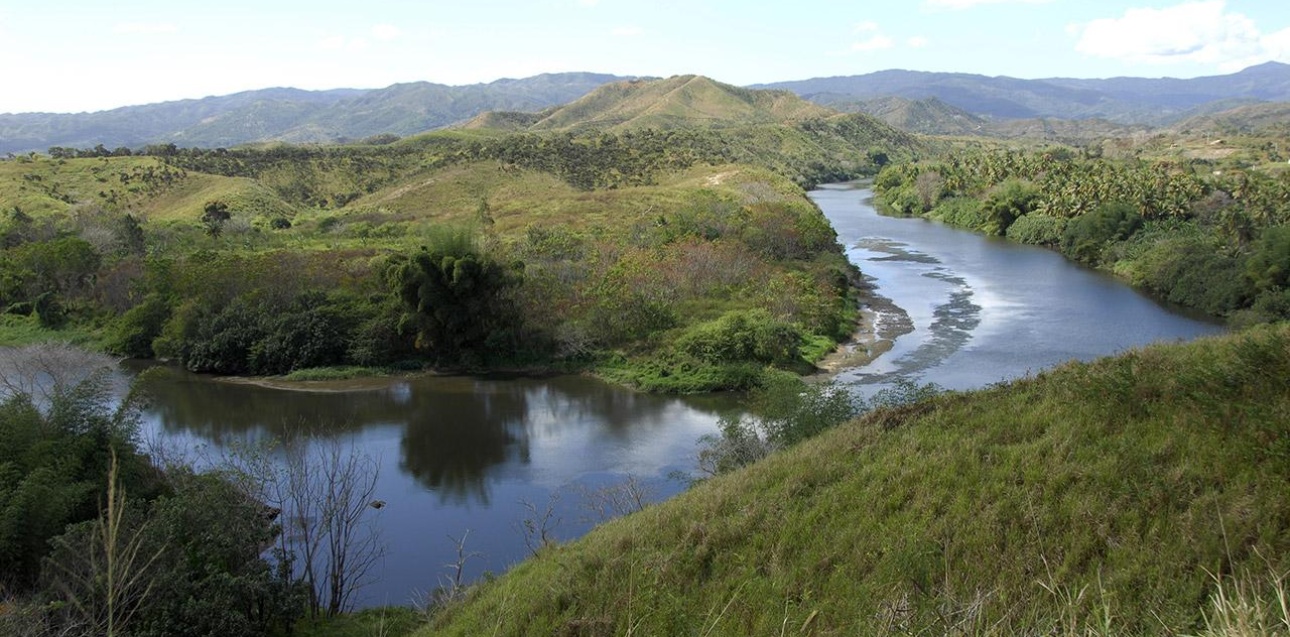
[(455, 431)]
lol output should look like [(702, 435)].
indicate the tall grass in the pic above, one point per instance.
[(1093, 499)]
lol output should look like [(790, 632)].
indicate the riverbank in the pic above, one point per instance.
[(1082, 500), (880, 323)]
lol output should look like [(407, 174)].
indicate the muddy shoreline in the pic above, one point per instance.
[(881, 323)]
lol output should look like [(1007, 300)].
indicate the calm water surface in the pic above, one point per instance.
[(461, 454), (983, 309)]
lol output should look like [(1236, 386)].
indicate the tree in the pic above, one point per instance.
[(452, 297), (1269, 264), (326, 495), (63, 266), (1087, 236), (1008, 202), (214, 215), (129, 234), (58, 429)]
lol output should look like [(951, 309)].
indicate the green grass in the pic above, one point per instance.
[(16, 331), (335, 373), (1104, 498), (388, 621)]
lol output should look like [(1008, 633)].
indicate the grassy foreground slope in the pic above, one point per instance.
[(1103, 498)]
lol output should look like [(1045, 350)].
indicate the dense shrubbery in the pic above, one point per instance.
[(1037, 229), (98, 538), (1088, 235), (280, 270), (1217, 243)]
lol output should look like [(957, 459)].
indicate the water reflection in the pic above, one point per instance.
[(454, 432)]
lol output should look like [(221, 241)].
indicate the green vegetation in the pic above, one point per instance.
[(99, 538), (1209, 239), (96, 539), (611, 250), (1133, 495)]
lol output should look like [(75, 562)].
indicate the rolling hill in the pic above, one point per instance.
[(675, 102), (929, 116), (1250, 118)]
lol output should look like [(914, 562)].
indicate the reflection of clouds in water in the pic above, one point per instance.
[(400, 393), (660, 439), (943, 316)]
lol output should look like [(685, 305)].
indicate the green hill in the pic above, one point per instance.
[(682, 101), (1114, 497), (1265, 118), (929, 116)]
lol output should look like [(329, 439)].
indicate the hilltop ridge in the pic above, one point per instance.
[(678, 101)]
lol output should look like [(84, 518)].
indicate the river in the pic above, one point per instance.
[(475, 457)]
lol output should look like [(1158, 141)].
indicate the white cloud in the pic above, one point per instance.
[(144, 28), (588, 3), (866, 26), (968, 4), (1198, 32), (386, 32), (875, 43), (917, 42), (626, 32)]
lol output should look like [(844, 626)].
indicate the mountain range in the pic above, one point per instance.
[(935, 103), (292, 115), (1122, 100)]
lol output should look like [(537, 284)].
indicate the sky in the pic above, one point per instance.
[(89, 55)]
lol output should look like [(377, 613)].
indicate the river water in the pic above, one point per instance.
[(478, 456), (974, 310)]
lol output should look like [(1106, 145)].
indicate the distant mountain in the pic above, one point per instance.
[(1122, 100), (675, 102), (291, 115), (936, 103), (929, 116), (135, 126)]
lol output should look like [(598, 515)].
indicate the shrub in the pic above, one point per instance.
[(1037, 229), (1193, 270), (50, 311), (960, 211), (1269, 264), (743, 336), (1007, 202), (134, 332), (1087, 236)]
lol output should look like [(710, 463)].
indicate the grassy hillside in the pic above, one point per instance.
[(1271, 118), (1105, 498), (270, 260), (681, 101)]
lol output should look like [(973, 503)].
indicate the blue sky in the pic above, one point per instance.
[(81, 55)]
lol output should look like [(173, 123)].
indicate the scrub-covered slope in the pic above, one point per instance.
[(1107, 498)]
